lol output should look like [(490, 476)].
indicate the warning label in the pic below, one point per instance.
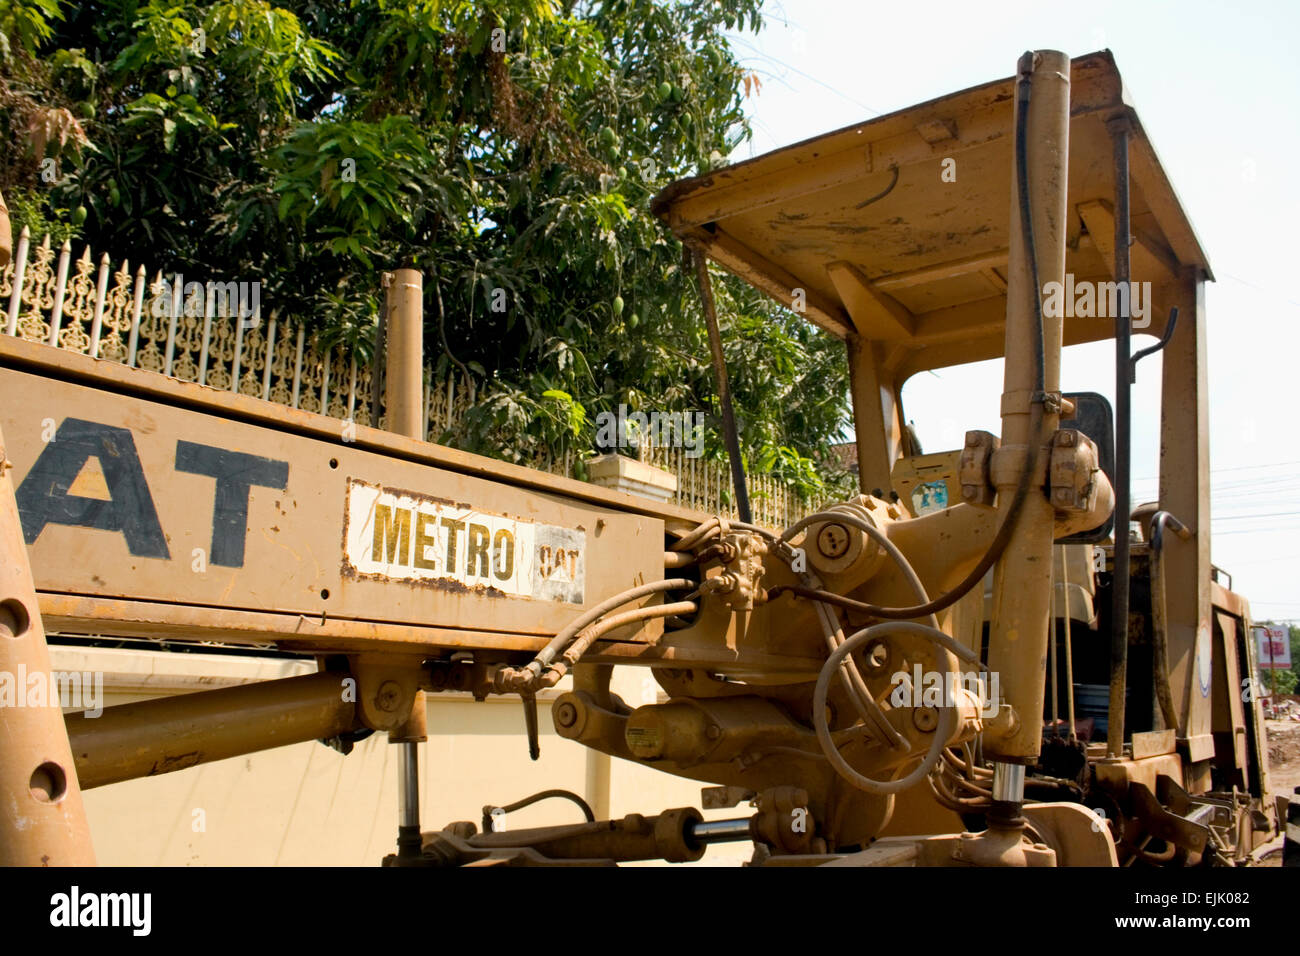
[(402, 536)]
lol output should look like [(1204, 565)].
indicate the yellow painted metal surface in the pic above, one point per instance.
[(864, 222), (133, 509)]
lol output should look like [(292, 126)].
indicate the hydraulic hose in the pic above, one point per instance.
[(593, 632), (859, 691), (947, 713), (854, 685), (876, 535), (569, 795), (702, 532), (1023, 484), (525, 678)]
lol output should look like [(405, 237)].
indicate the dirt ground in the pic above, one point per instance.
[(1283, 755), (1283, 767)]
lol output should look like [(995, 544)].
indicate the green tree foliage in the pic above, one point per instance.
[(507, 148)]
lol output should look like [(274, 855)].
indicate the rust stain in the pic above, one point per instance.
[(407, 493), (449, 585), (178, 762)]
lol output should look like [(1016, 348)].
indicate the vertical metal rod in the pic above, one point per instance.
[(326, 359), (101, 293), (239, 348), (20, 273), (724, 390), (1009, 782), (270, 358), (1051, 648), (1069, 659), (404, 371), (137, 304), (178, 304), (409, 783), (1119, 131), (60, 287), (352, 389), (1022, 599), (209, 307), (377, 368), (405, 356), (297, 365)]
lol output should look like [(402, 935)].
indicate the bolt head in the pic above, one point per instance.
[(833, 540), (388, 696), (925, 719), (566, 715)]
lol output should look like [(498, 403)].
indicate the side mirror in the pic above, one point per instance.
[(1093, 416)]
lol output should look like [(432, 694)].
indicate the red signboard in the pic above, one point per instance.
[(1274, 648)]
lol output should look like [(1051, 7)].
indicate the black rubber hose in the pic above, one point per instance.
[(569, 795)]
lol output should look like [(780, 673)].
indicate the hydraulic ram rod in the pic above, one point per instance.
[(1022, 585), (1119, 130), (171, 733)]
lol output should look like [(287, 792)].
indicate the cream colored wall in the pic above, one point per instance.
[(307, 805)]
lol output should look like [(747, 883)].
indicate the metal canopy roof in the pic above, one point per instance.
[(861, 220)]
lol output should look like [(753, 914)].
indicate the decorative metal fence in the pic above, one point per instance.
[(705, 485), (111, 315)]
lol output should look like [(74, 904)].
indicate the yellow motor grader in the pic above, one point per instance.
[(989, 657)]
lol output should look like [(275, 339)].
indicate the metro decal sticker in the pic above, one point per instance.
[(396, 535)]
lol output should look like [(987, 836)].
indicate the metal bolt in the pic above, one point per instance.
[(876, 656), (925, 719), (833, 540), (566, 715), (388, 696)]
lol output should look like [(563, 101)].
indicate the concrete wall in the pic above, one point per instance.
[(308, 805)]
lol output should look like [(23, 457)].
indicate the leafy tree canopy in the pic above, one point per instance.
[(507, 148)]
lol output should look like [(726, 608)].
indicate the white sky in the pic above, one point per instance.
[(1217, 88)]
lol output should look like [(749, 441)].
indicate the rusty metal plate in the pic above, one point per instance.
[(130, 501)]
